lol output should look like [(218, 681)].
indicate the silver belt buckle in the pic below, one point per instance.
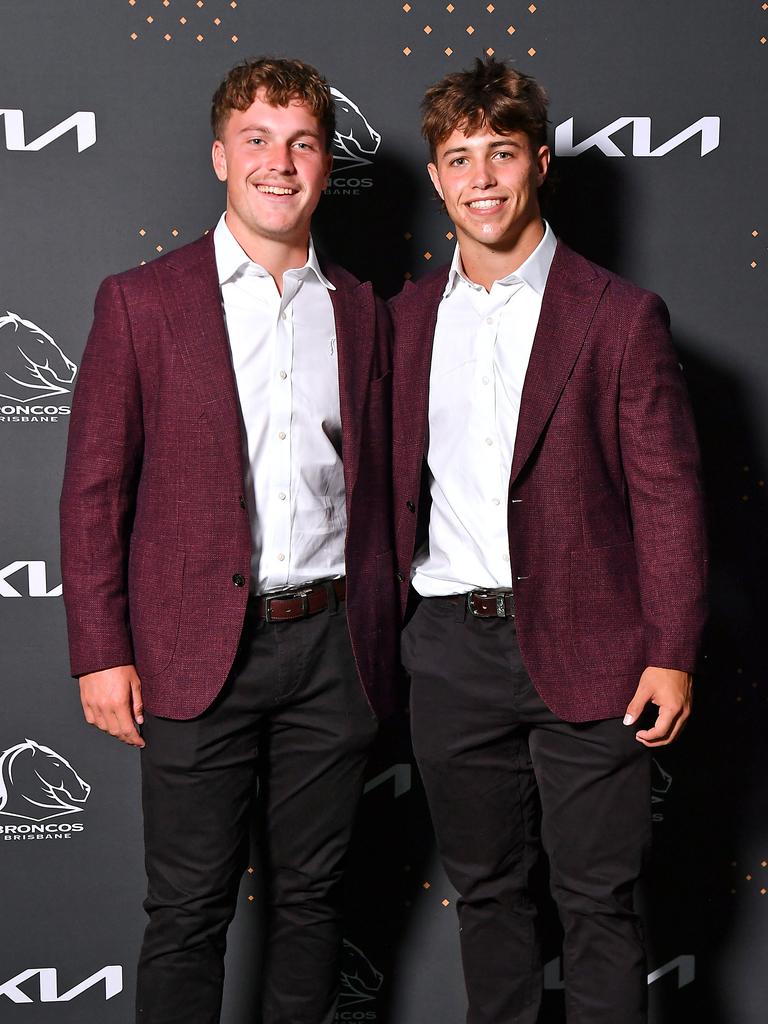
[(288, 595)]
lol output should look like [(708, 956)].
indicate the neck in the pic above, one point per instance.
[(485, 264), (276, 255)]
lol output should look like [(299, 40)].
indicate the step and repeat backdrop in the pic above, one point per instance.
[(658, 130)]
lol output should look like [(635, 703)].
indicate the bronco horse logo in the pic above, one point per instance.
[(355, 142), (32, 366), (36, 783), (360, 981)]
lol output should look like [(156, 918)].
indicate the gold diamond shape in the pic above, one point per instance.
[(407, 275), (132, 3), (447, 51), (446, 903), (407, 236), (427, 255), (201, 3), (142, 232), (217, 21), (200, 38), (233, 5), (150, 19), (406, 7), (755, 233), (158, 248), (753, 264), (449, 235), (511, 30), (182, 21), (175, 232), (167, 37), (532, 8), (450, 8), (407, 50), (490, 8), (763, 40), (532, 52), (234, 39), (166, 3), (427, 29), (134, 36), (490, 51), (470, 30), (426, 885)]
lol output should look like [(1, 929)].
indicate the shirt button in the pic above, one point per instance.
[(489, 441), (283, 375), (399, 577), (284, 315), (281, 495), (489, 319), (486, 380), (242, 502), (281, 435), (410, 506), (281, 557), (238, 580), (495, 501)]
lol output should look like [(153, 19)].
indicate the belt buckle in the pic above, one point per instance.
[(485, 595), (288, 595)]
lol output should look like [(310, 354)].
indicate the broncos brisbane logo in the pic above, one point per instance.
[(32, 366), (355, 142), (36, 783), (360, 981)]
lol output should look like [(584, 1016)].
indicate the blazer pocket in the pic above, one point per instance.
[(155, 589), (605, 613)]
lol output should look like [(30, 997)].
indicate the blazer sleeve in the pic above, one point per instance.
[(662, 469), (103, 465)]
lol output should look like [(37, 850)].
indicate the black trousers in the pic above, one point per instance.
[(292, 722), (504, 776)]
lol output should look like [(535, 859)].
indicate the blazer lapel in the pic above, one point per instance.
[(570, 298), (354, 314), (192, 301)]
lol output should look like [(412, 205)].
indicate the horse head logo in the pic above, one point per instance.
[(32, 366), (36, 783), (355, 142), (360, 981)]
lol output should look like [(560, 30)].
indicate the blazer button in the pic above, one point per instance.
[(241, 499), (399, 577), (238, 580), (410, 506)]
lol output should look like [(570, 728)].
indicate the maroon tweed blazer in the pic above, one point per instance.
[(154, 526), (606, 526)]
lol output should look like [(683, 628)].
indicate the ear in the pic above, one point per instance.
[(432, 169), (542, 163), (219, 158)]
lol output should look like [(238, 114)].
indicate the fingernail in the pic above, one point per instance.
[(628, 719)]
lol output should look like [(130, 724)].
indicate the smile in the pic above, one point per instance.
[(276, 190), (484, 204)]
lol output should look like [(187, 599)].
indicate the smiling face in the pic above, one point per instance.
[(275, 164), (489, 184)]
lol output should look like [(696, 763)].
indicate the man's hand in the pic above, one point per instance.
[(112, 702), (670, 691)]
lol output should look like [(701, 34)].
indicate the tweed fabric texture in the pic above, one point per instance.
[(606, 524), (154, 529)]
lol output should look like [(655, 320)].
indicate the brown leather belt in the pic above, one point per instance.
[(489, 604), (299, 603)]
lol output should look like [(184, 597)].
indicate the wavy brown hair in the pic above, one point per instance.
[(282, 81), (489, 94)]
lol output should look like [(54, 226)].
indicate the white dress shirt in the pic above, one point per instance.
[(482, 346), (286, 369)]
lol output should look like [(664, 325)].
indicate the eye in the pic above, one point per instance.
[(255, 142), (503, 154), (458, 161)]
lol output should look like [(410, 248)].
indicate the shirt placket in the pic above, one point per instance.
[(281, 448)]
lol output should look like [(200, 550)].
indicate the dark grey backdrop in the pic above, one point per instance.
[(691, 227)]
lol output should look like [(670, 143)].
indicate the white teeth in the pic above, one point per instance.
[(275, 190), (485, 204)]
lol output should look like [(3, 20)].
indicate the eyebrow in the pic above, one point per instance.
[(494, 145), (303, 133)]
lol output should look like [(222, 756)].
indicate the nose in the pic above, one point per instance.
[(484, 176), (282, 159)]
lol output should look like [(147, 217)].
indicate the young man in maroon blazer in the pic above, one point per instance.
[(227, 555), (543, 437)]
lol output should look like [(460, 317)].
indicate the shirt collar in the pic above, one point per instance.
[(533, 272), (232, 260)]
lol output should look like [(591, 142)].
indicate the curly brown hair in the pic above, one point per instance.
[(282, 81), (490, 93)]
